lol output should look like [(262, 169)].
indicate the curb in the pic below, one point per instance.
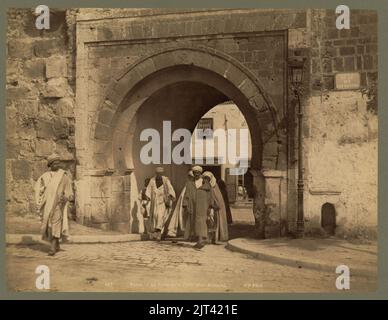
[(80, 239), (296, 263)]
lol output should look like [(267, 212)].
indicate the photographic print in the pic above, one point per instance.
[(212, 150)]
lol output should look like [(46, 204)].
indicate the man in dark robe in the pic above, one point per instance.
[(224, 192), (217, 222)]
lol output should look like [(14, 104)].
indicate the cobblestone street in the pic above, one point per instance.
[(162, 267)]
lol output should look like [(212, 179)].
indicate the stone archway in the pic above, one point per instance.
[(113, 129)]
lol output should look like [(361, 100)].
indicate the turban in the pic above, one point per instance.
[(52, 157), (159, 170), (211, 177), (197, 168)]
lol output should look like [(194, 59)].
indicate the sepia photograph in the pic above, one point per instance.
[(209, 150)]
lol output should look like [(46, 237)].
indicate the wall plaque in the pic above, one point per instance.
[(347, 81)]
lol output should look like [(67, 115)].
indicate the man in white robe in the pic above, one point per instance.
[(53, 194), (177, 221), (162, 195)]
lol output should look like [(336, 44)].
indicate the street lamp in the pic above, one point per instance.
[(296, 71)]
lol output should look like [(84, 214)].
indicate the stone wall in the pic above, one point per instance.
[(40, 102), (341, 162), (345, 50), (340, 128)]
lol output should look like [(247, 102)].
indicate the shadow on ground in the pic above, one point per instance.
[(241, 230)]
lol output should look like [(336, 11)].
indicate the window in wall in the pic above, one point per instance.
[(203, 124)]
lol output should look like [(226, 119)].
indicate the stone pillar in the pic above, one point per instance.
[(104, 200), (276, 202), (270, 203)]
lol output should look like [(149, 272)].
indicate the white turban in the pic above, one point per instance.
[(197, 168), (211, 177)]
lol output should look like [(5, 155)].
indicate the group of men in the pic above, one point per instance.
[(201, 213)]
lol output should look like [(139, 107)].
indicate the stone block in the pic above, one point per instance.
[(21, 170), (338, 64), (100, 187), (44, 129), (55, 88), (27, 107), (117, 183), (56, 67), (235, 75), (16, 93), (13, 70), (368, 62), (43, 148), (102, 132), (11, 129), (127, 183), (332, 33), (61, 128), (346, 51), (146, 68), (328, 82), (34, 68), (61, 147), (100, 160), (298, 38), (12, 149), (100, 210), (120, 210), (65, 107), (27, 132), (38, 168), (163, 61), (123, 227), (20, 49), (349, 64), (105, 116), (102, 146), (45, 48), (248, 88)]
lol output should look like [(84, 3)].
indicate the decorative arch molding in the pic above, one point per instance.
[(222, 64), (124, 85)]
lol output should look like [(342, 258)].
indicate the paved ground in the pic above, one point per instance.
[(317, 253), (30, 224), (157, 267)]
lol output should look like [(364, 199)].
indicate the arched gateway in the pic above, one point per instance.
[(179, 84)]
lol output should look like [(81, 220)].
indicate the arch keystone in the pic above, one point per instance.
[(163, 61)]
